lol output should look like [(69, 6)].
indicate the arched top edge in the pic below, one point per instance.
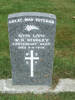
[(36, 14)]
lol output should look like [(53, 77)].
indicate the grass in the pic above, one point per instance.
[(28, 96), (65, 37), (64, 59)]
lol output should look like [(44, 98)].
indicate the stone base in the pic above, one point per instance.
[(7, 87), (64, 85)]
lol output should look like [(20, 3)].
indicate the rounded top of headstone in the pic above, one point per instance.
[(37, 14)]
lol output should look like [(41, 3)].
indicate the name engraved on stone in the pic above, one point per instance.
[(31, 38), (27, 40)]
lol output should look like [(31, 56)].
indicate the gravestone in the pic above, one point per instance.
[(31, 38)]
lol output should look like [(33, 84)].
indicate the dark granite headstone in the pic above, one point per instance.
[(31, 37)]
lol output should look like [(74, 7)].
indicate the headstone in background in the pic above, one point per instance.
[(31, 37)]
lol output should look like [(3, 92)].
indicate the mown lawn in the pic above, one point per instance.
[(64, 59), (28, 96)]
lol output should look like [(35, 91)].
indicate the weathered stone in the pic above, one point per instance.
[(31, 37)]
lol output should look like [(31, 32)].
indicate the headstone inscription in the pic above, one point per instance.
[(31, 37)]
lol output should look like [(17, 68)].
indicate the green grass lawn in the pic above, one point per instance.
[(28, 96), (64, 59)]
